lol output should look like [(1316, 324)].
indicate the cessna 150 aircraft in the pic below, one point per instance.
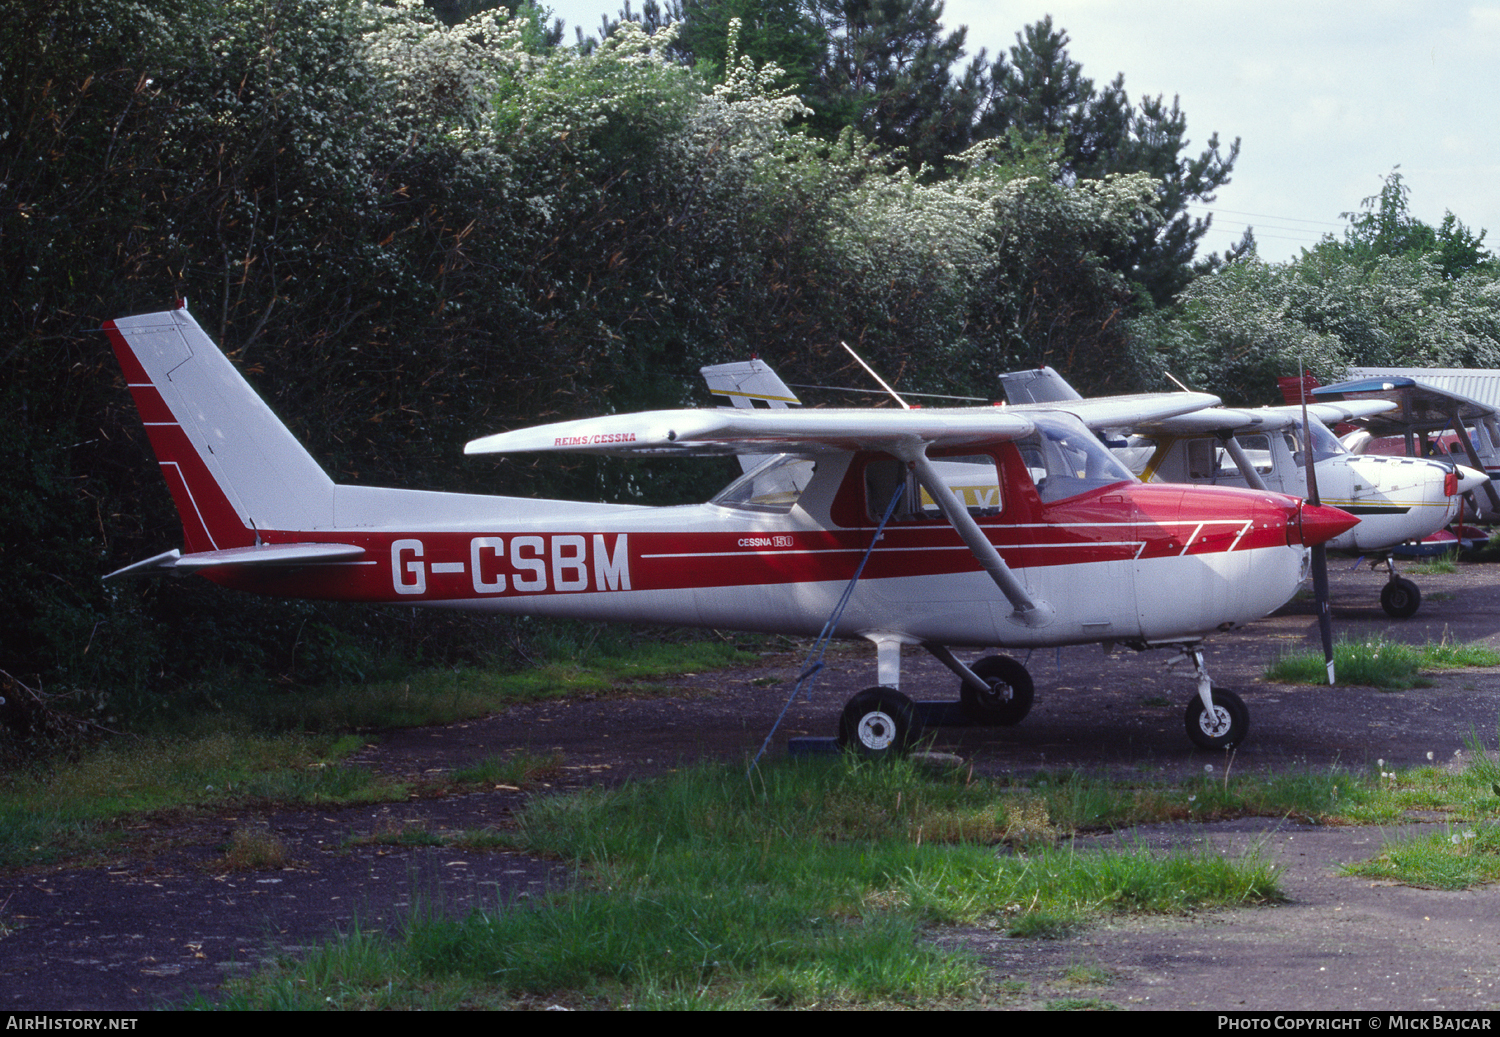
[(1395, 499), (1052, 543)]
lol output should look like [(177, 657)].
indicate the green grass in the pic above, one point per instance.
[(1377, 662), (1467, 852), (450, 694), (515, 770), (1438, 565), (1460, 857), (75, 809), (812, 885), (247, 742)]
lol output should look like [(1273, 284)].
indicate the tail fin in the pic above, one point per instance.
[(233, 468), (747, 384), (1037, 385)]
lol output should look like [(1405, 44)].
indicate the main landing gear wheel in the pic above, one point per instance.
[(1400, 598), (1227, 725), (1009, 697), (878, 723)]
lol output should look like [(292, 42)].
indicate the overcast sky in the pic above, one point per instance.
[(1327, 96)]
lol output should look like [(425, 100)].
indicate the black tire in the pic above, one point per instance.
[(1400, 598), (1229, 725), (878, 723), (1010, 695)]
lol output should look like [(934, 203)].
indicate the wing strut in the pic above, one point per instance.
[(1237, 453), (1473, 455), (1028, 610)]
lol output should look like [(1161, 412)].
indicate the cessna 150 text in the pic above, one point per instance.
[(1047, 539)]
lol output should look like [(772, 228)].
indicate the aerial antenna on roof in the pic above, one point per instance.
[(894, 395), (1175, 382)]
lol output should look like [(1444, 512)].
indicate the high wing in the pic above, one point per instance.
[(1261, 419), (741, 430), (1113, 412), (784, 430), (1044, 386), (1413, 405)]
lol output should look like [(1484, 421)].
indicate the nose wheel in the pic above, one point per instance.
[(1400, 598), (1008, 699), (878, 723), (1226, 725)]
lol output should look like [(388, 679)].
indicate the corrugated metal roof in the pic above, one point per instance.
[(1477, 384)]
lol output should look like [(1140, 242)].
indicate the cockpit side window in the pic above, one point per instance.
[(973, 479), (774, 487), (1325, 443)]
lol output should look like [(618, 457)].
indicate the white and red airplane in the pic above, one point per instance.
[(1049, 540)]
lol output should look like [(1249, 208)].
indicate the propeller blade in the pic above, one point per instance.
[(1319, 551), (1320, 594)]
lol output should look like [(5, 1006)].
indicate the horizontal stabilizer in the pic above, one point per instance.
[(749, 384), (180, 564)]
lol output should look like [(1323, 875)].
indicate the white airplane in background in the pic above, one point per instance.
[(1396, 499), (1065, 547), (1425, 420)]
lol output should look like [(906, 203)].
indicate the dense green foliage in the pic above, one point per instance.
[(1394, 292), (409, 233)]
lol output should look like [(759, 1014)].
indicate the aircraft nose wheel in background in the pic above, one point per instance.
[(1227, 725), (1400, 598), (878, 723), (1009, 698)]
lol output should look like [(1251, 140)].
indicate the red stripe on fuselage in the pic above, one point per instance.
[(468, 567)]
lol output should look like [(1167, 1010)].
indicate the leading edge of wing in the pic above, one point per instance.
[(1261, 419), (728, 431)]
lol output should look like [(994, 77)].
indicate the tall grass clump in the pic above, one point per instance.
[(1380, 663)]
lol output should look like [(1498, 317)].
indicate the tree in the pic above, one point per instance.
[(452, 12), (887, 73), (1041, 94), (771, 32), (407, 231), (1385, 227), (1239, 328)]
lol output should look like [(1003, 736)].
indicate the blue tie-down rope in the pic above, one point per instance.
[(811, 669)]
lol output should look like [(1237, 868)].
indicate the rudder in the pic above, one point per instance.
[(231, 465)]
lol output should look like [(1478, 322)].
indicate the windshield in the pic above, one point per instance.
[(1325, 443), (1066, 459)]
